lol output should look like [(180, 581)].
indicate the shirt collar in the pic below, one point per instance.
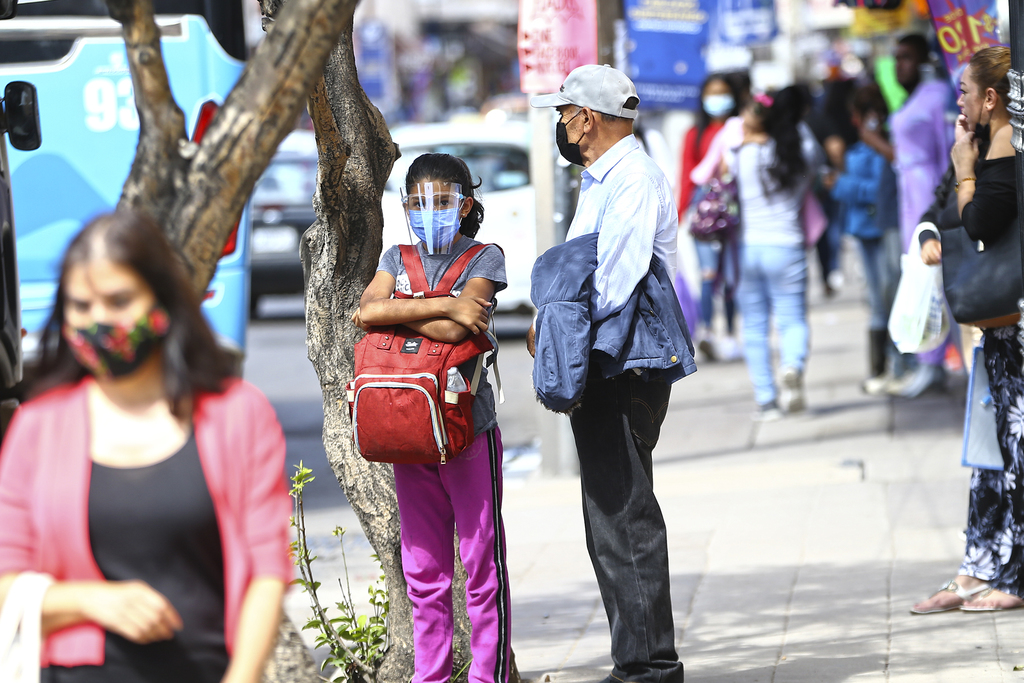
[(607, 161)]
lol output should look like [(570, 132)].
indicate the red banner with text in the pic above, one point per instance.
[(555, 37), (963, 27)]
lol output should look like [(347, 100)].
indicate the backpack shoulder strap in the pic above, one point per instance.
[(456, 270), (414, 269)]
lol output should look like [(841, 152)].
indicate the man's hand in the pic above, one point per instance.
[(469, 311), (531, 341), (931, 252)]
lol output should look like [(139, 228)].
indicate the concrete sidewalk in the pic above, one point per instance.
[(796, 547)]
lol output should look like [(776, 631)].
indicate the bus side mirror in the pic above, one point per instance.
[(21, 115), (8, 8)]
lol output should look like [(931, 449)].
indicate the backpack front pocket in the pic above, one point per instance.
[(406, 407)]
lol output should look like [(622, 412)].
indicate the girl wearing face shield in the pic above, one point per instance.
[(465, 493)]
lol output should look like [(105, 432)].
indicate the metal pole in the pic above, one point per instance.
[(557, 448), (1016, 107)]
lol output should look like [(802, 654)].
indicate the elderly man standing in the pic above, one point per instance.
[(626, 200)]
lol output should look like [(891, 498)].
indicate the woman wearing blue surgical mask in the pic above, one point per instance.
[(716, 258)]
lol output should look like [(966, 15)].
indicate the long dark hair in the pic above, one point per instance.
[(449, 169), (703, 118), (192, 361), (781, 122)]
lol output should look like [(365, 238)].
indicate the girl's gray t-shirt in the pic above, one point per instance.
[(488, 264)]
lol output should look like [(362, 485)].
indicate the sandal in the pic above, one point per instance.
[(963, 593), (989, 608)]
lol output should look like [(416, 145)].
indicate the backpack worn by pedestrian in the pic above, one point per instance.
[(409, 403)]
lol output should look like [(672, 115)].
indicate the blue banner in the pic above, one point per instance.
[(666, 40), (743, 22)]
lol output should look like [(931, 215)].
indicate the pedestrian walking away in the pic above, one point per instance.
[(774, 168), (143, 478), (984, 202), (625, 227), (464, 493)]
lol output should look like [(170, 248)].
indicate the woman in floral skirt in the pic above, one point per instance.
[(984, 201)]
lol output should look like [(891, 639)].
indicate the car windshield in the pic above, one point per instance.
[(286, 183), (498, 167)]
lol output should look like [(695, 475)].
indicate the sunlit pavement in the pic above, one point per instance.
[(796, 547)]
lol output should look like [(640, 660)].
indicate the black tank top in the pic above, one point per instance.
[(158, 524)]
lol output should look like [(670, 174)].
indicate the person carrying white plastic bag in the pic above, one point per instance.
[(918, 321)]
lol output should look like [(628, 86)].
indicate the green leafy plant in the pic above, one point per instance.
[(357, 642)]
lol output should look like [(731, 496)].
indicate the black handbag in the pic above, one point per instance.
[(982, 283)]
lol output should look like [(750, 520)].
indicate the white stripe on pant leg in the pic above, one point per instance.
[(501, 662)]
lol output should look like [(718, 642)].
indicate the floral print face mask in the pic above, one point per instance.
[(108, 351)]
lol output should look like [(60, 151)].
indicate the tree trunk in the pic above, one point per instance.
[(341, 251)]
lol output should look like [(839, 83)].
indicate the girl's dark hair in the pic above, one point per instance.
[(781, 123), (703, 118), (192, 361), (449, 169)]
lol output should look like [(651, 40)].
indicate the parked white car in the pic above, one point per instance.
[(498, 156)]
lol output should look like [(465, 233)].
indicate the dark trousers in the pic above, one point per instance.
[(616, 428)]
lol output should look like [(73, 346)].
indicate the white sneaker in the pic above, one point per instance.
[(836, 280), (791, 398), (877, 386), (729, 350)]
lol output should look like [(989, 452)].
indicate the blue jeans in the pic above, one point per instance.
[(710, 257), (773, 281), (872, 253)]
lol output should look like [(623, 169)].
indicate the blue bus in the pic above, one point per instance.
[(87, 111)]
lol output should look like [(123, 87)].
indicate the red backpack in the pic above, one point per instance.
[(399, 402)]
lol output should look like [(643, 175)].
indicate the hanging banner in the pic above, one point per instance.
[(868, 23), (555, 37), (746, 22), (666, 40), (963, 27)]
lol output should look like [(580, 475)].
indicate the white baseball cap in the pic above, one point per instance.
[(600, 88)]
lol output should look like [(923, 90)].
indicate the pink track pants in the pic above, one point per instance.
[(434, 500)]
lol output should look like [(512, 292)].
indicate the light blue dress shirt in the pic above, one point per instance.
[(626, 198)]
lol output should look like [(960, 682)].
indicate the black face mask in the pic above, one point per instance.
[(570, 151), (982, 133)]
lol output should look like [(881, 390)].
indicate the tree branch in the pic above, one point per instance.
[(158, 167), (260, 111)]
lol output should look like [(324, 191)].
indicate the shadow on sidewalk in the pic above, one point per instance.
[(816, 623)]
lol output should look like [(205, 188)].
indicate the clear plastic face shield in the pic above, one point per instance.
[(433, 211)]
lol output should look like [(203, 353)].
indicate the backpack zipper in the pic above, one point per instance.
[(440, 438)]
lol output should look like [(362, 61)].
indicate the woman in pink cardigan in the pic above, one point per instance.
[(144, 479)]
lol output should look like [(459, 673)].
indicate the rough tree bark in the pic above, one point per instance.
[(198, 190)]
